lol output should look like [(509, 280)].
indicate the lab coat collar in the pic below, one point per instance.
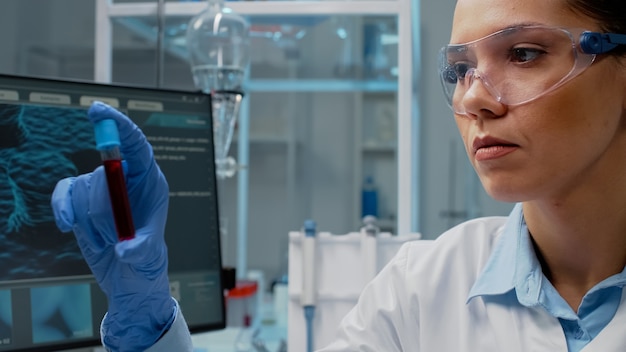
[(512, 264)]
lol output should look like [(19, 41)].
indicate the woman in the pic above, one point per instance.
[(543, 125), (539, 96)]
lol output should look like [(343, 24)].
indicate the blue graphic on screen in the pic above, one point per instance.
[(61, 312), (6, 317), (39, 146)]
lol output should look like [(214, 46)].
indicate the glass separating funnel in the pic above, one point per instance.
[(225, 111), (218, 44)]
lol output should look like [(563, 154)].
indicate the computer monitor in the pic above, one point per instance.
[(48, 298)]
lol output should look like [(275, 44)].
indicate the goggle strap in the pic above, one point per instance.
[(600, 43)]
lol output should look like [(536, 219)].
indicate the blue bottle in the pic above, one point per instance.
[(369, 198)]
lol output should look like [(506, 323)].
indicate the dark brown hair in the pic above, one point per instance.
[(609, 14)]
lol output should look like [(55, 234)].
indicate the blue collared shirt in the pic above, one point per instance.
[(514, 272)]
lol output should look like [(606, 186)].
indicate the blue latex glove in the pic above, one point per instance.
[(132, 273)]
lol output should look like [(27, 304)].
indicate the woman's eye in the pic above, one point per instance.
[(455, 72), (461, 68), (523, 55), (449, 75)]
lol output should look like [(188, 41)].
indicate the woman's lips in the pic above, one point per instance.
[(489, 148)]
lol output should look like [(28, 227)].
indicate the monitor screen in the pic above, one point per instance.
[(48, 297)]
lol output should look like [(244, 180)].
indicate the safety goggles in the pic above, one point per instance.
[(519, 64)]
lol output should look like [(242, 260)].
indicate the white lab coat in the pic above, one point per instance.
[(176, 339), (419, 302)]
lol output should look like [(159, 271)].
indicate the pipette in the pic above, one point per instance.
[(308, 280)]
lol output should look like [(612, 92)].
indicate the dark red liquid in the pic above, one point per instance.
[(119, 200)]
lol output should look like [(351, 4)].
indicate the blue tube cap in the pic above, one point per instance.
[(107, 135), (309, 228)]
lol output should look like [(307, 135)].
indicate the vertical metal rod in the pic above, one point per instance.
[(160, 45), (452, 185), (103, 52), (292, 115), (407, 180), (416, 160), (243, 180)]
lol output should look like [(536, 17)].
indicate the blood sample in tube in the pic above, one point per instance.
[(108, 143)]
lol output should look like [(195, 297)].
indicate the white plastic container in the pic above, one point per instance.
[(344, 265)]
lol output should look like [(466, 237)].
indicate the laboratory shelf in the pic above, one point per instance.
[(261, 8), (320, 85), (378, 148), (174, 44), (277, 140)]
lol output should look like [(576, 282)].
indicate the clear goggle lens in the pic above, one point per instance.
[(515, 65)]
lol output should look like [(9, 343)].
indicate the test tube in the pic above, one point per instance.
[(108, 143)]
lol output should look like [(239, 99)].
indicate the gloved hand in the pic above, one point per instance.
[(132, 273)]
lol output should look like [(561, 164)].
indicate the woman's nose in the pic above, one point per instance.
[(479, 98)]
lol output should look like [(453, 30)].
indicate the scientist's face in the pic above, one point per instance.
[(544, 148)]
